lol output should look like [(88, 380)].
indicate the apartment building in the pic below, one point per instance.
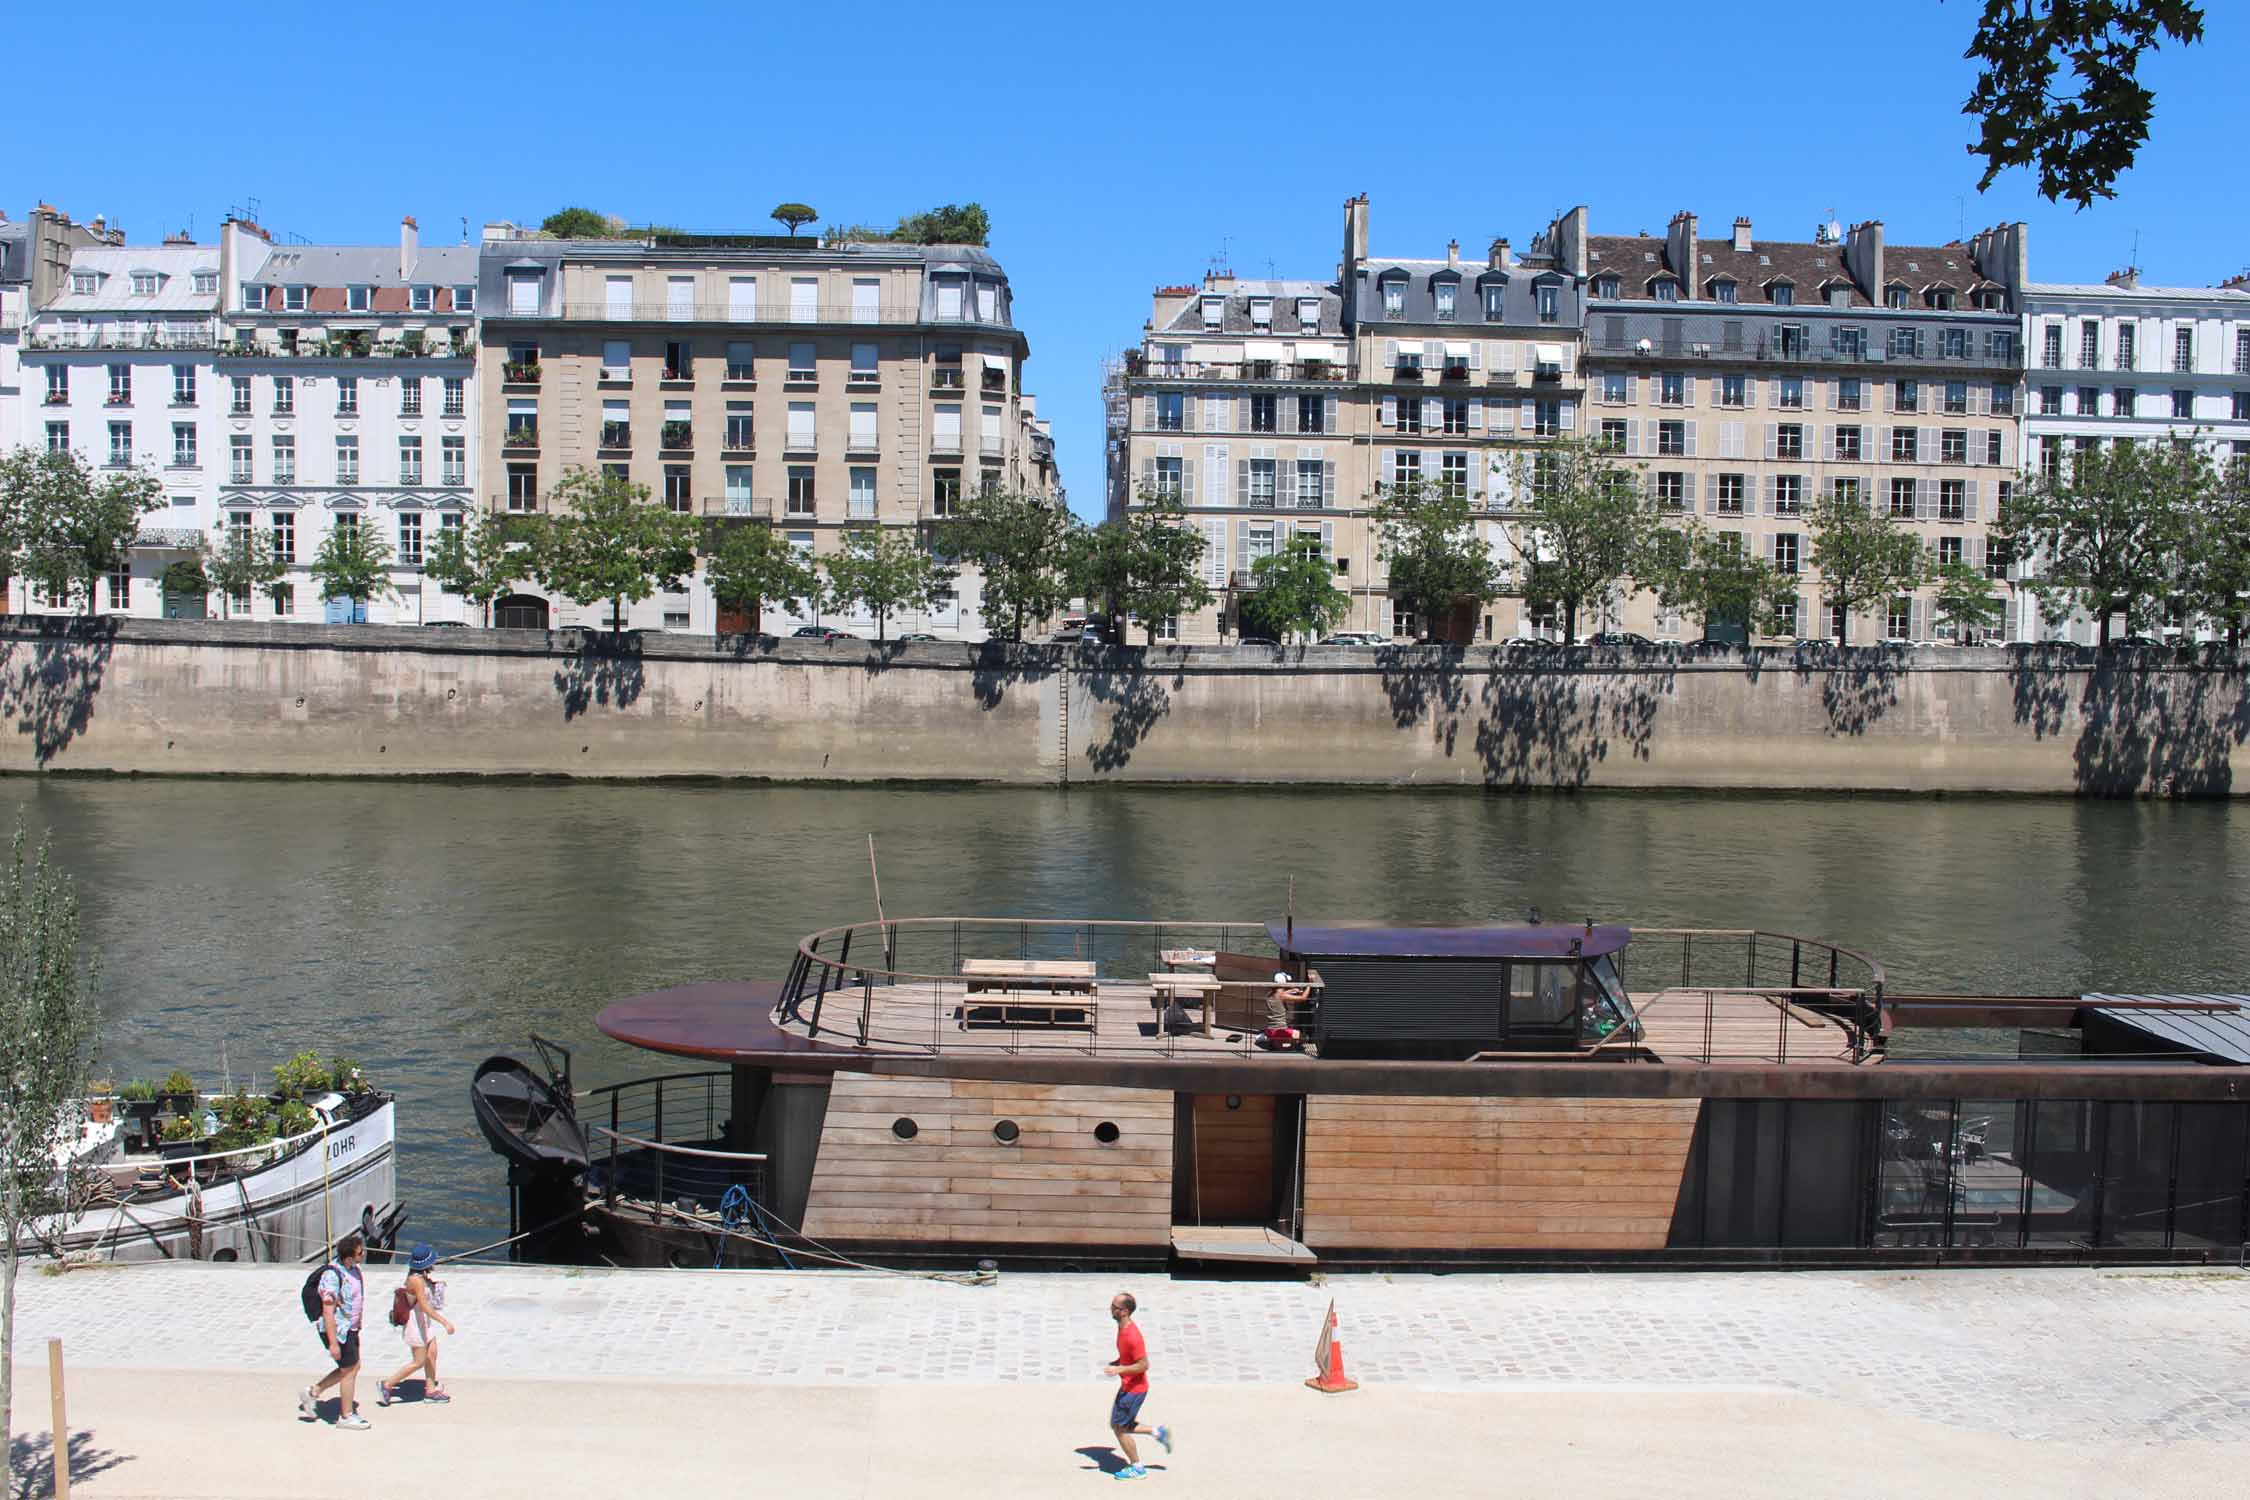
[(1750, 377), (2119, 361), (1276, 408), (15, 303), (347, 396), (750, 378)]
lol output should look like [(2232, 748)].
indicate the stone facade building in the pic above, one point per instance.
[(755, 378)]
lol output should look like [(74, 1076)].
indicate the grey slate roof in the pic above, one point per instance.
[(1235, 318), (2223, 1034), (15, 252), (115, 264), (366, 265)]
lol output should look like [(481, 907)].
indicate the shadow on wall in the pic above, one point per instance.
[(1121, 680), (31, 1460), (1547, 719), (1858, 684), (48, 684), (604, 671), (2145, 727), (1001, 665)]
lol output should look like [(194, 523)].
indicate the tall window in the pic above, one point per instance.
[(1902, 499), (121, 385), (1444, 293), (347, 459), (58, 384), (1265, 414), (861, 497), (1171, 411), (945, 492), (410, 538), (183, 445), (284, 459), (801, 497), (238, 459), (523, 488), (1550, 304), (58, 437), (2128, 337), (1168, 479), (347, 395), (1312, 414), (2050, 347), (2183, 350), (183, 385), (120, 443), (453, 454), (1261, 491), (410, 396), (1312, 483), (1785, 552), (284, 395), (409, 460), (741, 435), (677, 497), (456, 396)]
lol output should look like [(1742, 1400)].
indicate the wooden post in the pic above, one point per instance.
[(61, 1445)]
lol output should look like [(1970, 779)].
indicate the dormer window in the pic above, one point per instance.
[(1605, 286), (421, 298), (1495, 302), (1308, 315), (1394, 297), (1992, 301), (1664, 289), (1444, 293), (1941, 298), (1214, 311), (1839, 296), (206, 283), (253, 297), (1782, 293), (1261, 312), (293, 299), (82, 283), (1550, 303), (1894, 296), (1722, 288), (356, 299), (144, 283)]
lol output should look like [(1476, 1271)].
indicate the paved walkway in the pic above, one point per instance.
[(2048, 1372)]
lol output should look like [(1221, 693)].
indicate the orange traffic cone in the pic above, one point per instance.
[(1328, 1359)]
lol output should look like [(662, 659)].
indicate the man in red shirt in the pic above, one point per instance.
[(1131, 1370)]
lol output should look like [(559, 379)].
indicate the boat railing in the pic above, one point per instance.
[(207, 1165), (665, 1143)]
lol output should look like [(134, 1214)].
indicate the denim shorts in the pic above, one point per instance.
[(1126, 1409)]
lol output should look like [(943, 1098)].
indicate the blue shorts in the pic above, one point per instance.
[(1126, 1409)]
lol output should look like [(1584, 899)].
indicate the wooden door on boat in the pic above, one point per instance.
[(1235, 1159)]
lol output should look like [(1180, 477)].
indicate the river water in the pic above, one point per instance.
[(420, 927)]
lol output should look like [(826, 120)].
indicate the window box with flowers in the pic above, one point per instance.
[(521, 372), (526, 436), (678, 435)]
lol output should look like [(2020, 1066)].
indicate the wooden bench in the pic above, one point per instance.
[(1036, 1007), (1059, 975)]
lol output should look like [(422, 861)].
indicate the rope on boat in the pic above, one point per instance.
[(820, 1252)]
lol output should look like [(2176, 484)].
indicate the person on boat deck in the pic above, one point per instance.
[(425, 1304), (343, 1299), (1131, 1370), (1285, 993)]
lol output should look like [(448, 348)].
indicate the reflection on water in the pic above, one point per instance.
[(421, 926)]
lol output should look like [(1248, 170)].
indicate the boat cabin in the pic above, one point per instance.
[(1455, 992)]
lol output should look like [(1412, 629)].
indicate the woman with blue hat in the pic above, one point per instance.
[(414, 1307)]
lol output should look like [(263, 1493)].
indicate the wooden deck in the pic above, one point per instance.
[(1719, 1026)]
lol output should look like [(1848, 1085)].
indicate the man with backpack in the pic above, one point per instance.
[(335, 1298)]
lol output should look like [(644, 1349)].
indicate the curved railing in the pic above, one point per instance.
[(840, 972), (664, 1143)]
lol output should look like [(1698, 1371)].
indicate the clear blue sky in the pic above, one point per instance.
[(1116, 147)]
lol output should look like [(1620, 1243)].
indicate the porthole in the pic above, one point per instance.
[(1006, 1132), (223, 1255), (1106, 1132), (1234, 1101), (905, 1129)]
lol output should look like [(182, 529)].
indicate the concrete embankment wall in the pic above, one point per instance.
[(206, 697)]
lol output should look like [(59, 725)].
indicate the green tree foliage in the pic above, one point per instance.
[(1427, 536), (63, 526), (1148, 564), (883, 571), (242, 564), (1711, 577), (2082, 133), (1863, 559), (603, 540), (2105, 533), (579, 224), (49, 1030), (794, 216), (354, 562), (951, 224), (1586, 525), (1966, 600), (752, 565), (186, 577), (2215, 578), (1020, 543), (1294, 592), (481, 559)]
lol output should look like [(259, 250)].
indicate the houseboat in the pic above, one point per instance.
[(956, 1090)]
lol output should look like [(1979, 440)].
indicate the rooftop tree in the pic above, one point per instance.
[(794, 216), (1863, 559), (1426, 535), (950, 224), (752, 565), (1019, 542), (1584, 525), (2105, 531), (883, 570), (579, 224), (602, 540), (66, 528), (1148, 564), (1294, 592)]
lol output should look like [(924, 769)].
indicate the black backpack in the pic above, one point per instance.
[(311, 1290)]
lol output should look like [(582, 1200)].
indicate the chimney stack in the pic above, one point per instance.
[(409, 247), (2128, 278), (1355, 234), (1501, 257), (2238, 282), (1741, 235), (1453, 254)]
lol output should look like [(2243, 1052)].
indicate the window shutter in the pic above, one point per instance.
[(1632, 389), (1688, 389), (1976, 553), (2007, 448), (1433, 414), (1632, 438), (1215, 551), (1330, 412), (1148, 473), (1390, 354), (1504, 358), (1882, 445), (1766, 542), (1688, 494), (1500, 417), (1925, 499), (1384, 465), (1187, 481), (1242, 482), (1285, 412), (1327, 483), (1242, 546), (1528, 418), (1569, 360), (1148, 412), (1476, 416), (1690, 440), (1773, 496), (1570, 416), (1476, 355), (1773, 440), (1433, 354), (1390, 411)]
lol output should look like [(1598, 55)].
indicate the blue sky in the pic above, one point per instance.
[(1115, 147)]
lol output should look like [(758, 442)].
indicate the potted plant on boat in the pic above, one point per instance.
[(297, 1119), (348, 1077), (178, 1093), (139, 1098), (101, 1100), (301, 1075), (183, 1137)]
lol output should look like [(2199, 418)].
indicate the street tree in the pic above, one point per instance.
[(2083, 134), (883, 571), (186, 577), (1294, 592), (752, 565), (1149, 564), (1019, 542), (1711, 577), (354, 562), (602, 540), (50, 1027), (1862, 558), (951, 224), (1966, 600), (242, 564), (66, 527), (1585, 524), (794, 216), (1427, 537), (481, 559), (2104, 532), (2215, 578)]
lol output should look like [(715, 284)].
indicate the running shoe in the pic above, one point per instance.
[(307, 1409), (353, 1422), (1164, 1436), (383, 1394), (1131, 1471)]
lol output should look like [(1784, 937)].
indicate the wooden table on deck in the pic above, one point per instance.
[(1014, 984), (1167, 987)]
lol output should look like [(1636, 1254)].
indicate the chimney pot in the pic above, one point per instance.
[(1453, 252), (2128, 278)]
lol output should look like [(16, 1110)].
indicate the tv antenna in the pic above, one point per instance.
[(247, 209), (1221, 263), (1960, 216), (2135, 262)]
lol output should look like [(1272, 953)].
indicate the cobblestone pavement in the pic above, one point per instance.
[(2089, 1355)]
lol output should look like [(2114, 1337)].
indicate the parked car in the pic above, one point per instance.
[(1353, 638), (914, 635), (1258, 640), (445, 624), (822, 633), (1618, 638)]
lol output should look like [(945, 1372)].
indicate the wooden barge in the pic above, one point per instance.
[(953, 1090)]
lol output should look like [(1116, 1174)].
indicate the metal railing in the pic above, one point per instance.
[(1764, 350), (845, 313), (757, 506), (664, 1143), (1259, 369)]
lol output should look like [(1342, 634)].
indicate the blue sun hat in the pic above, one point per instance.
[(423, 1257)]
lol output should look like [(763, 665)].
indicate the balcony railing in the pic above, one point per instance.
[(771, 317), (944, 446), (757, 507), (521, 372), (246, 348), (1249, 369), (801, 377), (744, 440), (115, 338), (1764, 350), (948, 380), (678, 436), (617, 434), (992, 447), (521, 437)]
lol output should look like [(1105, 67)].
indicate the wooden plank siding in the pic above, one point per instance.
[(1493, 1174), (954, 1182), (1233, 1159)]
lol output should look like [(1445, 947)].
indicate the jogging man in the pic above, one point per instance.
[(1131, 1370), (343, 1301)]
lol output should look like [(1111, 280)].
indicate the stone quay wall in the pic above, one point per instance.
[(221, 698)]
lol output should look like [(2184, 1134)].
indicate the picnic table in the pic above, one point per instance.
[(1189, 958), (1168, 987), (1065, 975)]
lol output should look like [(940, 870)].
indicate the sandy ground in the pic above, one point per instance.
[(189, 1436)]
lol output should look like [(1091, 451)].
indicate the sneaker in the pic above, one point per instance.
[(1164, 1436), (1131, 1471), (307, 1409), (432, 1393), (353, 1422), (383, 1395)]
